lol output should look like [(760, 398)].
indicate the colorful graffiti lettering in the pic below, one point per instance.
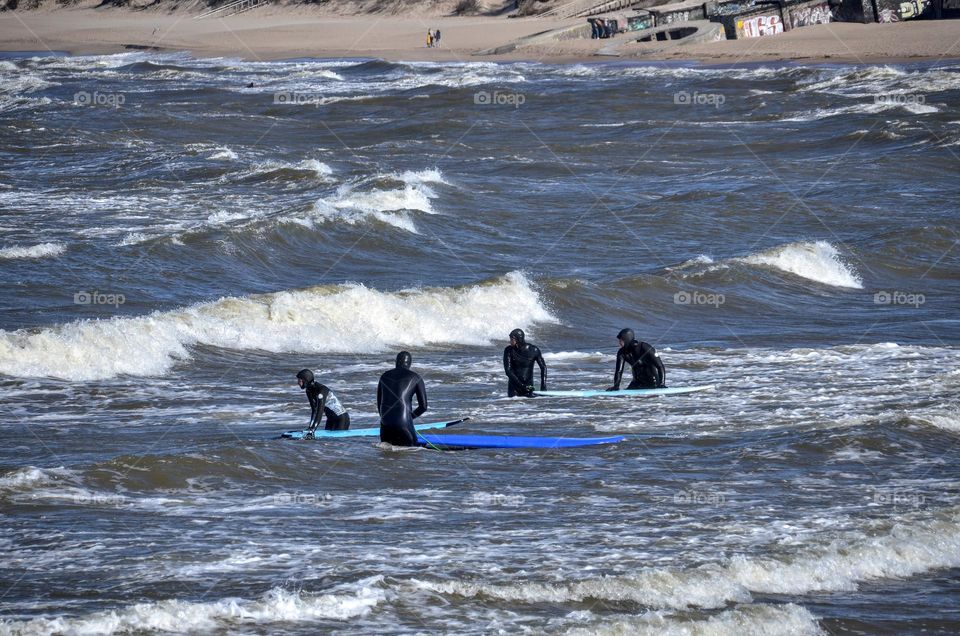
[(759, 26), (815, 14)]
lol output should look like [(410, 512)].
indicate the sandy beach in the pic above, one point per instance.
[(286, 32)]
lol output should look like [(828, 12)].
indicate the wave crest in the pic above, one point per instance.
[(348, 318)]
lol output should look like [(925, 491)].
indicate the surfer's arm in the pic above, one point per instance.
[(661, 371), (617, 373), (543, 371), (511, 376), (379, 394), (421, 399)]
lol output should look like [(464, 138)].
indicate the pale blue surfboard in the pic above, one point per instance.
[(365, 432), (679, 390)]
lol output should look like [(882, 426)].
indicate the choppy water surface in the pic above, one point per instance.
[(178, 237)]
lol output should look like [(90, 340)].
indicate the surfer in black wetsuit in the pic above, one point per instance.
[(395, 402), (322, 402), (518, 360), (644, 361)]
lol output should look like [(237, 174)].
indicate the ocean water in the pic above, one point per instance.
[(179, 236)]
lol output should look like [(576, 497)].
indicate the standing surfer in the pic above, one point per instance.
[(322, 401), (644, 361), (518, 360), (395, 393)]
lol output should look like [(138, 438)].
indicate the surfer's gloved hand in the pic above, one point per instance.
[(309, 435), (613, 388), (661, 386), (529, 388), (543, 386)]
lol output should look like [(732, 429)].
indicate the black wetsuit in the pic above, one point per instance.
[(644, 361), (395, 404), (518, 363), (323, 401)]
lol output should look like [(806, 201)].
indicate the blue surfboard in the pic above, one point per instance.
[(628, 393), (503, 441), (365, 432)]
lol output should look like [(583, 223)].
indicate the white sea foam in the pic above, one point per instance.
[(946, 421), (318, 168), (839, 564), (223, 153), (30, 477), (333, 318), (750, 620), (277, 605), (43, 250), (391, 206), (820, 262)]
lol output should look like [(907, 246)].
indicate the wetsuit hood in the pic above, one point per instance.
[(626, 335), (518, 334), (404, 360), (306, 375)]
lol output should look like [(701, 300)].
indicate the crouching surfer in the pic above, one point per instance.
[(518, 360), (322, 402), (395, 393), (644, 361)]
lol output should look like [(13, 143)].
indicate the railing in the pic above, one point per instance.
[(232, 8), (583, 8)]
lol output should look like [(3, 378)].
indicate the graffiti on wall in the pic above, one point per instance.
[(813, 14), (759, 26), (904, 10), (676, 16)]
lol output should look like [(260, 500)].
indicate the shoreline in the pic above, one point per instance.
[(288, 33)]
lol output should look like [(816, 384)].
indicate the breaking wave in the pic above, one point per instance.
[(903, 550), (820, 262), (43, 250), (349, 318), (276, 605)]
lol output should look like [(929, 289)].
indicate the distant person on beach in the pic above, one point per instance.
[(601, 31), (395, 393), (518, 360), (429, 39), (594, 29), (322, 402), (436, 38), (644, 361)]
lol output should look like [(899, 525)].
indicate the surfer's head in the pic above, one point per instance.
[(404, 360), (517, 337), (625, 336), (305, 377)]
